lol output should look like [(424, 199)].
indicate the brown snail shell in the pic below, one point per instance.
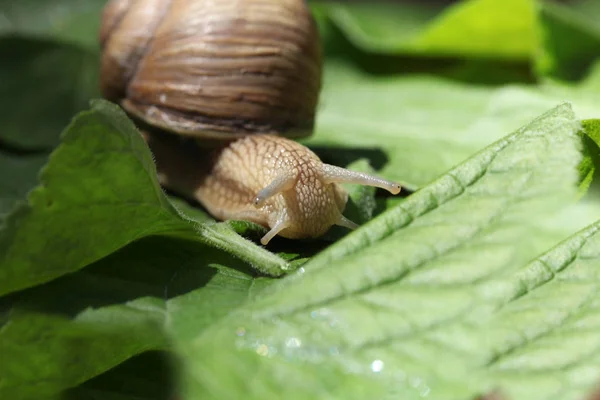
[(213, 68)]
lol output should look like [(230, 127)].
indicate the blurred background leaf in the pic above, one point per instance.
[(473, 28), (570, 39), (43, 84), (67, 21)]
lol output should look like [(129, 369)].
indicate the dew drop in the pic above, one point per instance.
[(415, 381), (293, 342), (262, 350), (377, 366)]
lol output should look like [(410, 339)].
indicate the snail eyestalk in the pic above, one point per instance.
[(333, 174), (283, 182)]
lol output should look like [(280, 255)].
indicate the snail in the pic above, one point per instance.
[(219, 90)]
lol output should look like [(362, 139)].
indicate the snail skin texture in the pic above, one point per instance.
[(217, 88), (270, 180)]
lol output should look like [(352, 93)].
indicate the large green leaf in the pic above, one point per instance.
[(541, 338), (62, 333), (411, 304), (98, 193)]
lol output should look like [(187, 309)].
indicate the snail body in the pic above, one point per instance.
[(237, 75)]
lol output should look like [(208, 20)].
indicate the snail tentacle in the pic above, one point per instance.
[(346, 223), (281, 224), (333, 174), (284, 181)]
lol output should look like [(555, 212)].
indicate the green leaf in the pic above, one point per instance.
[(404, 307), (223, 236), (384, 27), (193, 212), (54, 53), (116, 200), (59, 334), (591, 159), (571, 39), (544, 324), (74, 22), (481, 28), (98, 193), (42, 87), (561, 40), (591, 127), (14, 190), (45, 354)]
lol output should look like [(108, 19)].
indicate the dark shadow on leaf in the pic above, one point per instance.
[(43, 83), (159, 267), (343, 156), (147, 376), (9, 148)]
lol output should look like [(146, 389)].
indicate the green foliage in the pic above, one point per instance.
[(98, 193), (485, 277), (561, 27), (473, 27), (73, 328)]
